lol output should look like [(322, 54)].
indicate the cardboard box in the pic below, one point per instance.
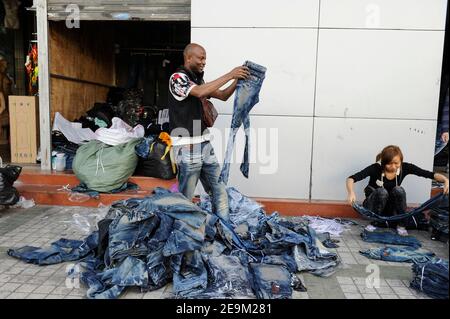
[(23, 121)]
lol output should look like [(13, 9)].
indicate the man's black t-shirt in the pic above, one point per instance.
[(185, 110)]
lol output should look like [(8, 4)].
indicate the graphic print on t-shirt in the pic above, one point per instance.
[(180, 85)]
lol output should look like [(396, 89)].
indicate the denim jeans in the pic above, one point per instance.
[(242, 209), (285, 260), (183, 238), (398, 254), (198, 161), (431, 277), (158, 267), (322, 266), (387, 236), (61, 250), (247, 96), (82, 188), (189, 273), (271, 281), (227, 278), (111, 282), (128, 235), (386, 203), (143, 148), (432, 202), (174, 205)]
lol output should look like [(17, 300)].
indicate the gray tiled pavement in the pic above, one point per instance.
[(41, 225)]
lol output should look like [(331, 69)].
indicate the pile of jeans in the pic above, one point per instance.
[(148, 242), (431, 277), (439, 220)]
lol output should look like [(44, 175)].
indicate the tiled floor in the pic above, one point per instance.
[(41, 225)]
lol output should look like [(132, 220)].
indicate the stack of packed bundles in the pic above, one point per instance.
[(439, 220), (431, 277)]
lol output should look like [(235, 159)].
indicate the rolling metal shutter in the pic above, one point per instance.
[(134, 10)]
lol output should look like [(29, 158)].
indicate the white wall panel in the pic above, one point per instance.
[(383, 14), (280, 156), (254, 13), (288, 54), (379, 73), (343, 147)]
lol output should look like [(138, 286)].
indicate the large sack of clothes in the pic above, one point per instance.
[(104, 168), (8, 193), (156, 157)]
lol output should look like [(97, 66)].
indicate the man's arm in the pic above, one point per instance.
[(208, 89), (226, 93)]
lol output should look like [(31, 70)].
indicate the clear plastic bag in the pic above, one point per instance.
[(79, 197), (24, 203), (87, 221)]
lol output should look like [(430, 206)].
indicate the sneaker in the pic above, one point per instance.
[(370, 228), (402, 231)]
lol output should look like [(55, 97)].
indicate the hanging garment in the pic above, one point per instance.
[(247, 96)]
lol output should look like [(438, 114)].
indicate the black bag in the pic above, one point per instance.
[(158, 163), (8, 175)]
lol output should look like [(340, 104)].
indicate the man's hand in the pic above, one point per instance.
[(446, 187), (351, 198), (444, 137), (240, 72)]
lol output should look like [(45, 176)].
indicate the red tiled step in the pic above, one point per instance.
[(39, 177), (43, 187), (50, 195), (290, 207)]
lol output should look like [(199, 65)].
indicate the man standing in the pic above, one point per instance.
[(190, 137)]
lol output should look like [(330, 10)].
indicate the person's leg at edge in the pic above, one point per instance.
[(189, 168), (209, 178)]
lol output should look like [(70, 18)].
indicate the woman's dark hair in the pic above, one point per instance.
[(388, 153)]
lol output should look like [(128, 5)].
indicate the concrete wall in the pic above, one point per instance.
[(345, 78)]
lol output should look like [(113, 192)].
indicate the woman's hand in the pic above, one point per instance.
[(446, 187), (444, 137), (351, 198)]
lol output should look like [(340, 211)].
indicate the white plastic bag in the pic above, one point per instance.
[(24, 203)]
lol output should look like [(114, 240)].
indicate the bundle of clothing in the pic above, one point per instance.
[(148, 242), (431, 277), (439, 220), (8, 175)]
